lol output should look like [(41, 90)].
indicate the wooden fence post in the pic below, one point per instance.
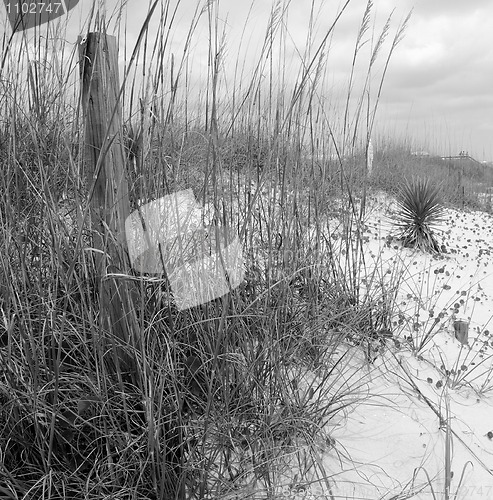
[(108, 189)]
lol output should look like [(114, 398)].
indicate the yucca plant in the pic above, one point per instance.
[(419, 214)]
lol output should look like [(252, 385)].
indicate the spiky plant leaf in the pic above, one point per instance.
[(419, 214)]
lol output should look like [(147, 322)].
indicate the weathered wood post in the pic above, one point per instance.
[(107, 184)]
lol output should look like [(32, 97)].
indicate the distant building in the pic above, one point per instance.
[(463, 156)]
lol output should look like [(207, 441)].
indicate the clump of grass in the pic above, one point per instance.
[(419, 214)]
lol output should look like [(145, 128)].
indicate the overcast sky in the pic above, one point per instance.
[(441, 80), (438, 91)]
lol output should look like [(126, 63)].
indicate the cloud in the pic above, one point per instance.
[(443, 71), (449, 8)]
